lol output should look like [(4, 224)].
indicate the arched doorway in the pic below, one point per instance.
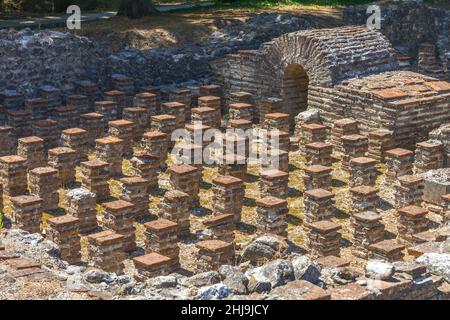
[(295, 91)]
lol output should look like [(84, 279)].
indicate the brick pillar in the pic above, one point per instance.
[(278, 140), (310, 133), (354, 146), (44, 183), (63, 231), (153, 265), (106, 251), (273, 183), (53, 97), (81, 204), (64, 160), (38, 107), (235, 144), (110, 149), (241, 97), (108, 109), (174, 207), (182, 96), (140, 119), (8, 141), (79, 102), (76, 139), (445, 208), (47, 130), (428, 156), (147, 167), (194, 94), (220, 227), (156, 143), (13, 175), (66, 117), (319, 153), (211, 90), (21, 122), (367, 229), (213, 102), (94, 124), (408, 191), (324, 238), (90, 90), (271, 215), (269, 105), (95, 176), (363, 171), (125, 84), (196, 132), (342, 127), (399, 163), (317, 177), (118, 216), (119, 98), (212, 254), (32, 148), (204, 115), (387, 250), (176, 109), (123, 129), (12, 99), (380, 141), (364, 198), (148, 101), (134, 190), (186, 178), (411, 220), (189, 152), (277, 120), (27, 213), (318, 205), (244, 111), (164, 123), (228, 194), (161, 237), (233, 165), (277, 159)]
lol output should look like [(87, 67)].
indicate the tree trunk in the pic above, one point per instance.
[(135, 9)]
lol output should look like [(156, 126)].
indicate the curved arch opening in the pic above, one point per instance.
[(295, 91)]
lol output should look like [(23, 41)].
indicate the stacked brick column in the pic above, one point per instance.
[(274, 183), (324, 238), (63, 231), (241, 97), (123, 129), (342, 127), (118, 216), (164, 123), (20, 120), (196, 133), (81, 204), (186, 178), (79, 102), (212, 254), (32, 148), (367, 229), (52, 95), (162, 237), (408, 191), (204, 115), (66, 117), (310, 133), (210, 90), (110, 149), (177, 110), (428, 156), (95, 176), (106, 251), (228, 194), (240, 124), (387, 250), (27, 212), (8, 141), (153, 265), (353, 146), (221, 227), (44, 182), (213, 102), (363, 171), (241, 111), (192, 154), (233, 165), (108, 109), (119, 98), (156, 143), (278, 140), (445, 208), (271, 215), (134, 190), (278, 121), (317, 205), (277, 159), (76, 139), (319, 153), (139, 117), (13, 175), (317, 177), (399, 163), (269, 105), (47, 130), (38, 107), (411, 220), (90, 90), (182, 96), (64, 160), (174, 207), (364, 198), (147, 167), (147, 101), (94, 124), (232, 143), (380, 141), (124, 84)]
